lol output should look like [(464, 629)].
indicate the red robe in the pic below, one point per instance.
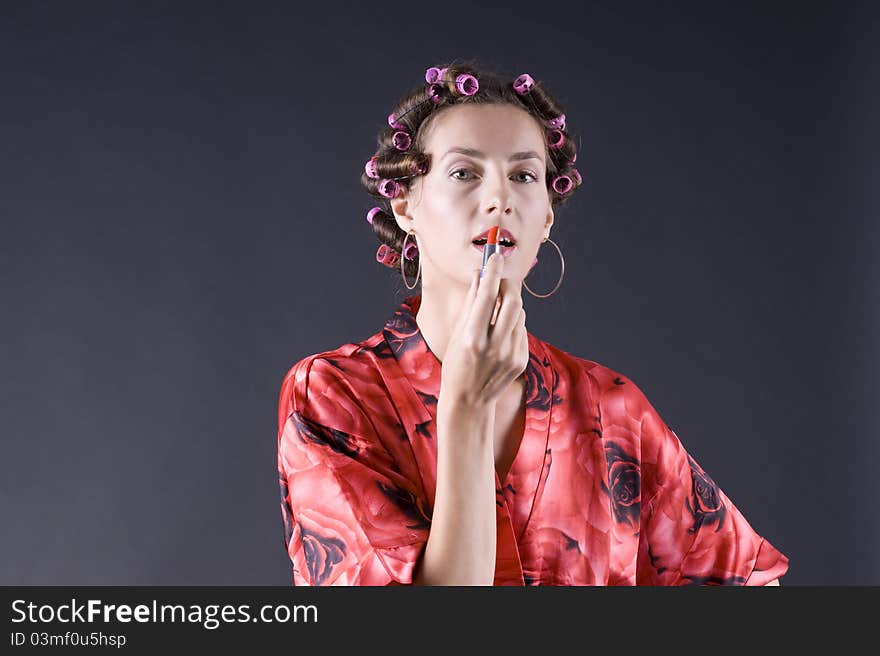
[(601, 491)]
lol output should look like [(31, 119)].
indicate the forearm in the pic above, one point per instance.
[(461, 544)]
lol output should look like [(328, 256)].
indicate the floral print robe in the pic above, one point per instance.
[(601, 491)]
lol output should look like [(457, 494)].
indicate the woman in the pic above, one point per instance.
[(513, 463)]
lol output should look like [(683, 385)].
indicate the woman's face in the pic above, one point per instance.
[(464, 194)]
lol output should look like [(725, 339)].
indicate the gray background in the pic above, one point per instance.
[(182, 221)]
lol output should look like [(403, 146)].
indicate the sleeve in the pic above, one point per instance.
[(691, 533), (349, 517)]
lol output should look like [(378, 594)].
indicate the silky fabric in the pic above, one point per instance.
[(601, 491)]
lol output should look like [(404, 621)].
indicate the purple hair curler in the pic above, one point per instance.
[(372, 214), (556, 139), (387, 256), (389, 188), (523, 84), (435, 91), (558, 122), (401, 140), (370, 168), (562, 184), (467, 84)]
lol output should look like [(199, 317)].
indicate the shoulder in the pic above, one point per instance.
[(620, 400), (629, 422), (335, 378), (607, 384)]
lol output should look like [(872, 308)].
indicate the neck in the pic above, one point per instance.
[(437, 314), (438, 311)]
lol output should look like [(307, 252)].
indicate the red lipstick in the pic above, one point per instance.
[(491, 246)]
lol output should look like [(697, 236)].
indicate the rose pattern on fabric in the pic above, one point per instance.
[(335, 439), (399, 333), (428, 399), (381, 350), (537, 394), (562, 554), (286, 515), (411, 506), (705, 502), (655, 562), (624, 484), (322, 554), (713, 580)]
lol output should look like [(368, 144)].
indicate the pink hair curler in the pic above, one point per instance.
[(387, 256), (556, 139), (562, 184), (577, 176), (435, 91), (523, 84), (467, 84), (370, 168), (558, 122), (372, 214), (389, 188), (401, 140), (434, 75)]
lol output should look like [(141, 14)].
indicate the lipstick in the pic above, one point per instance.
[(491, 246)]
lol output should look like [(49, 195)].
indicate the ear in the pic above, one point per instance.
[(548, 223), (400, 206)]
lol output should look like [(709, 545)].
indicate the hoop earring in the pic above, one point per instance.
[(403, 259), (561, 273)]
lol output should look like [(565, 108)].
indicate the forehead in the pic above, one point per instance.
[(491, 128)]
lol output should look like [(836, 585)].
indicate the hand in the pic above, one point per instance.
[(482, 359)]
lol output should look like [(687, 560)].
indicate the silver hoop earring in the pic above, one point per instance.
[(403, 259), (561, 273)]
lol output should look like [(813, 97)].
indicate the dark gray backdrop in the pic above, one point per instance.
[(182, 221)]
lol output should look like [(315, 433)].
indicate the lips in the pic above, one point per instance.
[(503, 234), (505, 250)]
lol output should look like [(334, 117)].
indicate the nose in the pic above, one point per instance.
[(497, 200)]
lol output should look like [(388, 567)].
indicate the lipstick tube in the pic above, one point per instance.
[(491, 246)]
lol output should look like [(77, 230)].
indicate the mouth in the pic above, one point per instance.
[(507, 247), (505, 236)]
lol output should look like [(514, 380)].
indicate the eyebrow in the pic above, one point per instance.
[(472, 152)]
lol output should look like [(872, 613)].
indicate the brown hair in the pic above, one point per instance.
[(414, 111)]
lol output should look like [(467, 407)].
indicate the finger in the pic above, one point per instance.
[(499, 301), (484, 304), (509, 291), (524, 339), (469, 298), (510, 300), (495, 311)]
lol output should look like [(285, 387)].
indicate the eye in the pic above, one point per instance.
[(534, 178), (459, 171)]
